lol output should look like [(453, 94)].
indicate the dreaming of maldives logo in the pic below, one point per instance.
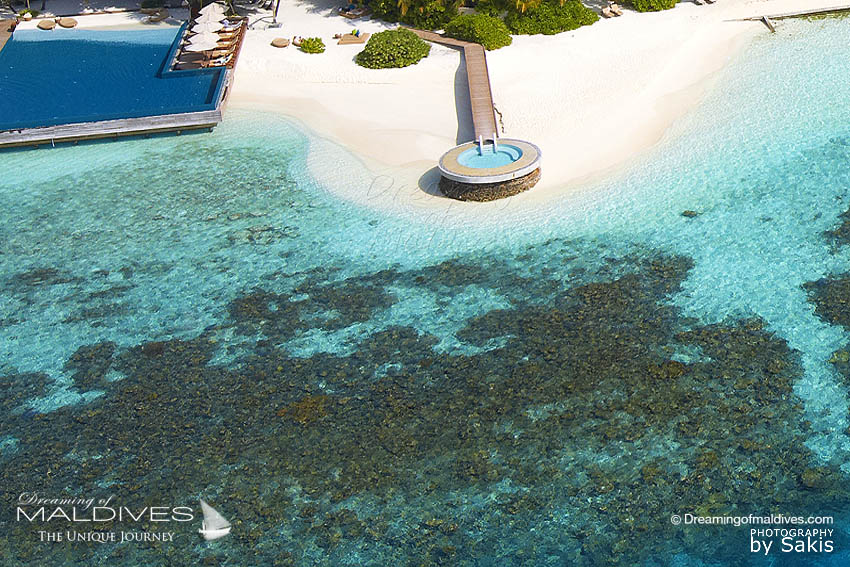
[(93, 512)]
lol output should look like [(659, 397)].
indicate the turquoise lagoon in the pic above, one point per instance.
[(200, 316)]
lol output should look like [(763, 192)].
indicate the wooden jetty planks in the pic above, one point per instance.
[(478, 79), (812, 12)]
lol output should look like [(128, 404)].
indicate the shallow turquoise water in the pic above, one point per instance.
[(274, 299)]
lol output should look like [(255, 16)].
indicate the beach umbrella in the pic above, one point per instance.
[(210, 18), (206, 37), (207, 27), (214, 8), (198, 47)]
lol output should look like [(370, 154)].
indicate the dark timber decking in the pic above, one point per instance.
[(5, 34), (478, 78), (110, 129)]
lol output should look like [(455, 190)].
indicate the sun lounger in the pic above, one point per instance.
[(607, 13), (158, 17), (353, 13), (223, 34), (203, 55), (67, 23), (46, 25), (616, 10), (188, 66), (280, 42), (350, 38), (218, 62)]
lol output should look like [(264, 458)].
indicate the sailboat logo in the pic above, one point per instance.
[(214, 524)]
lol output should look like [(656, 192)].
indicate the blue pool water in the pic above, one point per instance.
[(68, 76), (490, 156), (370, 385)]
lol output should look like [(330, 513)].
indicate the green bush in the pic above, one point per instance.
[(312, 45), (492, 7), (393, 48), (653, 5), (386, 10), (490, 32), (25, 11), (429, 14), (424, 14), (153, 4), (551, 17)]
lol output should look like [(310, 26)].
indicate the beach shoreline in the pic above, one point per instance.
[(594, 99)]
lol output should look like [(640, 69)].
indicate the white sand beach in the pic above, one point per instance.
[(593, 99)]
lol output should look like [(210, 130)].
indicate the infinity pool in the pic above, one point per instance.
[(70, 76)]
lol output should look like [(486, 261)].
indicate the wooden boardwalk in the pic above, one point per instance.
[(478, 79)]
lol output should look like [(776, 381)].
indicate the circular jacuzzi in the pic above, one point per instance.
[(490, 156), (488, 171)]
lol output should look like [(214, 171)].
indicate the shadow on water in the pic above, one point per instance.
[(429, 182)]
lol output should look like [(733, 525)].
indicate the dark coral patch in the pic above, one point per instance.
[(17, 388), (831, 297), (571, 443), (42, 277), (90, 363), (840, 235)]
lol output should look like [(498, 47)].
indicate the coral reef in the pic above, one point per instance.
[(572, 443)]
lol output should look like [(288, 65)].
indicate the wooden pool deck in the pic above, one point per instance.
[(5, 33), (51, 135), (142, 126), (478, 79)]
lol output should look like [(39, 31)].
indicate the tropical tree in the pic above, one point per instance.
[(523, 5)]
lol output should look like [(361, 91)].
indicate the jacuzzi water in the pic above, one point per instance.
[(490, 156), (205, 316)]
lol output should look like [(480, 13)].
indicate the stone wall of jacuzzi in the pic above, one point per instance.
[(488, 191)]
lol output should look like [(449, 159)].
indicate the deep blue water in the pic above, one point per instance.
[(68, 76), (548, 384)]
